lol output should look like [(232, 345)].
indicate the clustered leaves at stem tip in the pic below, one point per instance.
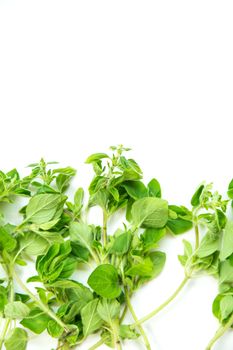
[(55, 235)]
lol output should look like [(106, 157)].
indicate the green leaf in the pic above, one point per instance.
[(99, 198), (216, 306), (125, 332), (54, 329), (154, 188), (209, 244), (107, 337), (90, 318), (121, 243), (81, 296), (33, 244), (143, 269), (227, 241), (226, 306), (108, 310), (34, 279), (150, 212), (179, 226), (36, 321), (48, 225), (78, 199), (221, 219), (7, 242), (16, 310), (64, 177), (151, 237), (158, 259), (72, 338), (81, 253), (69, 171), (135, 189), (44, 207), (226, 272), (104, 281), (195, 201), (22, 297), (17, 340), (131, 170), (180, 219), (3, 298), (95, 157), (188, 249), (56, 263), (82, 234), (230, 190), (115, 193), (74, 291)]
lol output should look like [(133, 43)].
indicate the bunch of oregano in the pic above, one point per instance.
[(56, 236)]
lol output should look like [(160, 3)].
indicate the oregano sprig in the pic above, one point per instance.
[(208, 212)]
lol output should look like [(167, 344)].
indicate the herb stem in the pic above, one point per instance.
[(41, 305), (11, 299), (143, 334), (95, 257), (162, 306), (97, 345), (4, 332), (115, 330), (118, 346), (220, 332), (123, 313), (105, 221), (197, 239)]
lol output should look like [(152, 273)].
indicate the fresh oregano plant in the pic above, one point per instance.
[(55, 236)]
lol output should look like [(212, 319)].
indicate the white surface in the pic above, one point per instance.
[(78, 76)]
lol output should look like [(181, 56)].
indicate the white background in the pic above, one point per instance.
[(157, 76)]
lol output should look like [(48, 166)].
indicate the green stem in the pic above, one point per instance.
[(163, 305), (105, 221), (220, 332), (115, 330), (11, 299), (123, 313), (97, 345), (41, 305), (4, 332), (102, 340), (143, 334), (118, 346), (196, 236), (95, 257)]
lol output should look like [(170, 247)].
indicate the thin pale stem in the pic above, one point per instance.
[(102, 340), (4, 332), (140, 328), (123, 313), (95, 257), (163, 305), (197, 238), (220, 332), (11, 299), (105, 234), (118, 346), (41, 305), (97, 345), (115, 331)]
